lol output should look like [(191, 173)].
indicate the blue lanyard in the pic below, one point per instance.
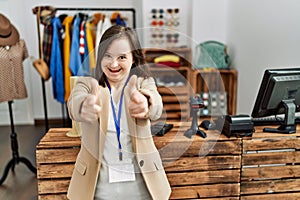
[(117, 120)]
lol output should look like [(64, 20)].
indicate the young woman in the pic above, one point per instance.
[(118, 158)]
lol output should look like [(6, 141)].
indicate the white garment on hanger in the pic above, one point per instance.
[(102, 26)]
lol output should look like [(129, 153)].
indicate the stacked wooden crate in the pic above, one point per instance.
[(212, 81), (196, 167), (175, 85), (55, 157), (271, 166), (201, 168), (175, 98)]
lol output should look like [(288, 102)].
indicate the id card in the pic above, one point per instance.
[(121, 172)]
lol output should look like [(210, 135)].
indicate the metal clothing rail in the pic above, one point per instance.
[(103, 9), (41, 53)]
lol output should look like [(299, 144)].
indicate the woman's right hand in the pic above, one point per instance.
[(90, 107)]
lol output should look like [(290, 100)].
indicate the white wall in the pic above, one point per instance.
[(209, 20), (261, 34)]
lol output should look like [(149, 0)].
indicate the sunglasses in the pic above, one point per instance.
[(172, 37), (173, 11), (157, 35), (157, 23), (172, 23), (157, 13), (154, 11)]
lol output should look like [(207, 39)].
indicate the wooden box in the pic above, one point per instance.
[(196, 168), (173, 82), (217, 81), (55, 157), (185, 54), (271, 166), (201, 168), (175, 97)]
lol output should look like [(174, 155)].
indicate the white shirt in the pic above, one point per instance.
[(133, 190)]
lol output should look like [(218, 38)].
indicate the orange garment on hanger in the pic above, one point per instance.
[(67, 48), (90, 44)]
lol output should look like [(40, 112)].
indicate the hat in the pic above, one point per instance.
[(8, 33)]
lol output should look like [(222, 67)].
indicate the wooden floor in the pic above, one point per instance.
[(22, 183)]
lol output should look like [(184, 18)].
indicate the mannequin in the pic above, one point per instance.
[(12, 53)]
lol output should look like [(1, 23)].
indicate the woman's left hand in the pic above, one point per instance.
[(138, 106)]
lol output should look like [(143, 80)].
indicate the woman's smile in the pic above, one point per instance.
[(114, 70)]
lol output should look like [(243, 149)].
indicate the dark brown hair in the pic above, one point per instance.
[(139, 66)]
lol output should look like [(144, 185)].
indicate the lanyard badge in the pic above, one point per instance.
[(117, 118)]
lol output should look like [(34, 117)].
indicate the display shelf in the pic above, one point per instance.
[(184, 54), (217, 82), (175, 89), (173, 82)]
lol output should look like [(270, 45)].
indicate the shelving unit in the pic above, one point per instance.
[(217, 81), (174, 87), (173, 82), (177, 84)]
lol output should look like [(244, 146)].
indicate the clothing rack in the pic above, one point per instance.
[(103, 9), (14, 147), (132, 10)]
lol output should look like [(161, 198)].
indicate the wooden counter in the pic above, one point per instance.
[(271, 166), (265, 166)]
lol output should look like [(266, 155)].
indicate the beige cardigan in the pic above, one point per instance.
[(88, 163)]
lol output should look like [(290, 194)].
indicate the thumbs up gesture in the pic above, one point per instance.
[(138, 106), (90, 108)]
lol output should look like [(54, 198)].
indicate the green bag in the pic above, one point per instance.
[(212, 54)]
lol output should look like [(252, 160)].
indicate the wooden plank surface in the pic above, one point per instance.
[(179, 90), (259, 134), (270, 186), (205, 191), (271, 143), (204, 177), (271, 158), (270, 172), (284, 196), (53, 197), (53, 186), (205, 163), (56, 155), (55, 170)]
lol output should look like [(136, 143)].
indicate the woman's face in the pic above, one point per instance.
[(117, 61)]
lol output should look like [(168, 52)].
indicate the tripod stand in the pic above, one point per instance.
[(15, 154)]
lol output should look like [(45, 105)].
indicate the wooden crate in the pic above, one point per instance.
[(211, 81), (55, 157), (196, 168), (175, 98), (201, 168), (185, 54), (271, 166)]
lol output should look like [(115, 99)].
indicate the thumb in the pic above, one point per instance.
[(132, 85)]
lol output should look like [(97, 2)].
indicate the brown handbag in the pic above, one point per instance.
[(39, 64), (42, 68)]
